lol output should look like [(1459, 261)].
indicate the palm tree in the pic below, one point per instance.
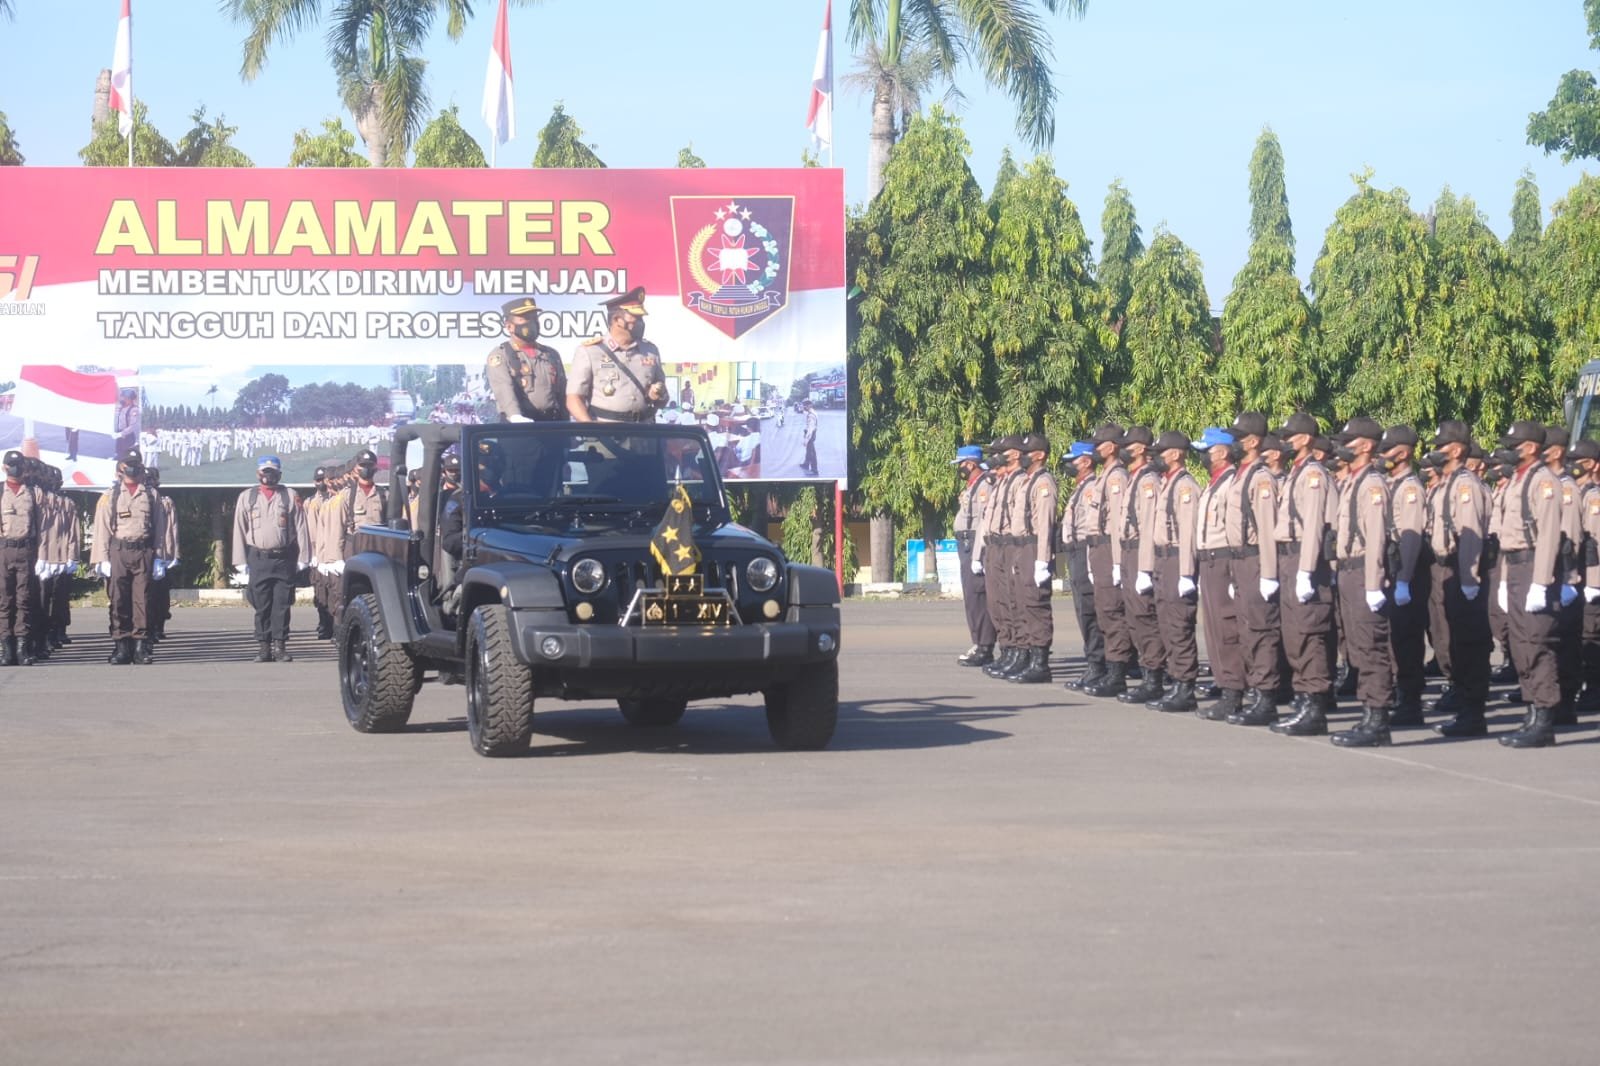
[(8, 8), (908, 43), (375, 48)]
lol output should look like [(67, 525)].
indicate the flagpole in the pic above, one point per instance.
[(133, 122)]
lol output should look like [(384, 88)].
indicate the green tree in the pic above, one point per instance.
[(561, 143), (907, 43), (262, 397), (1121, 246), (1570, 123), (1527, 220), (1570, 273), (687, 160), (109, 148), (1368, 289), (1269, 194), (333, 147), (446, 144), (1171, 341), (10, 150), (207, 144)]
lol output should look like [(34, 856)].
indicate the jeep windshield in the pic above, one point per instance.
[(545, 476)]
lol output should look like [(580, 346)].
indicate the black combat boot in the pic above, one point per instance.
[(1344, 682), (1179, 699), (1447, 703), (1262, 710), (1538, 732), (1311, 720), (977, 655), (1407, 714), (1153, 685), (1208, 691), (325, 632), (1371, 732), (25, 656), (143, 654), (1505, 673), (1035, 668), (1113, 684), (1090, 676), (263, 652), (8, 652), (282, 654), (1567, 709), (1589, 701), (122, 653), (40, 648), (1003, 661), (1228, 703), (1468, 722)]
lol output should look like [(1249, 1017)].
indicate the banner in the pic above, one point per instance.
[(212, 315)]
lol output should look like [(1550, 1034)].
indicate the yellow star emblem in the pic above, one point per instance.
[(683, 553), (669, 535)]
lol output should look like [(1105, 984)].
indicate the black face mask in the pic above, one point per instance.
[(527, 332), (14, 473), (1125, 455), (269, 478), (1435, 459), (1157, 463), (1344, 455), (1024, 461), (365, 473)]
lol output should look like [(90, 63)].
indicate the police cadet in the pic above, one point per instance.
[(1409, 569), (1033, 537), (128, 530), (20, 517), (618, 377), (325, 551), (271, 543), (1079, 525), (1568, 603), (166, 558), (54, 530), (66, 547), (1105, 553), (1251, 517), (1136, 525), (991, 556), (1307, 604), (1585, 455), (527, 379), (1498, 469), (1361, 541), (1173, 548), (1458, 615), (976, 492), (1214, 560)]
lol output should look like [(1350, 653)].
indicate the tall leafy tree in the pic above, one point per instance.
[(1527, 219), (907, 43), (1122, 243), (446, 144), (333, 147), (687, 160), (1368, 289), (561, 143), (109, 148), (208, 144), (1571, 281), (1171, 341), (10, 150), (1570, 123)]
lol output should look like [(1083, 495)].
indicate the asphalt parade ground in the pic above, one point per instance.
[(200, 862)]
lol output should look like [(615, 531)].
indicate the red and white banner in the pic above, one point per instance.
[(499, 102), (819, 117), (122, 71), (64, 397)]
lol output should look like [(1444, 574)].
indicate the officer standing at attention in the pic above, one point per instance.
[(1136, 564), (1033, 537), (127, 530), (618, 377), (1568, 603), (271, 537), (991, 557), (1078, 527), (1173, 533), (166, 559), (1362, 539), (973, 502), (1527, 521), (1219, 611), (1586, 458), (1252, 507), (1104, 570), (1457, 609), (361, 503), (319, 512), (527, 379), (20, 517), (1408, 615)]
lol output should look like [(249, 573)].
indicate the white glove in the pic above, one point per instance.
[(1232, 594), (103, 569), (977, 565), (1538, 598), (1269, 588), (1142, 583), (158, 569), (336, 567), (304, 566), (1470, 592), (1116, 574), (57, 569), (1041, 573), (1500, 597), (1089, 569), (1569, 595), (314, 563), (1590, 594), (1402, 593), (241, 575), (1302, 586), (1186, 587), (41, 569), (1375, 600)]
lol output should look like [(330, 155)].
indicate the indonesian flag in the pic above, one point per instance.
[(499, 103), (62, 397), (122, 72), (819, 119)]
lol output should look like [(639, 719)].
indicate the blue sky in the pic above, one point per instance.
[(1168, 96)]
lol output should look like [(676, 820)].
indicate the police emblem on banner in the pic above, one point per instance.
[(733, 255)]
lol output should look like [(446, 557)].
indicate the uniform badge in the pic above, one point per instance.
[(1566, 494), (494, 360), (1313, 481), (1411, 495), (1185, 496), (1549, 492), (1377, 495), (1266, 492), (1466, 495), (1149, 493)]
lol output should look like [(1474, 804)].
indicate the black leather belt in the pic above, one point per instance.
[(142, 542), (19, 542), (1131, 544), (276, 553), (1166, 551), (1209, 555), (1518, 556), (1289, 548), (1346, 565), (1098, 542), (623, 416), (1249, 551)]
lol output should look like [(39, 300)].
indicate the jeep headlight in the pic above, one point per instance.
[(588, 576), (762, 573)]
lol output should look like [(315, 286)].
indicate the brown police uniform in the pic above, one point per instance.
[(1105, 509), (325, 549), (971, 506), (1173, 550), (1569, 618), (1589, 557), (615, 381), (1219, 610), (271, 537), (1527, 519), (1138, 556), (127, 533), (1030, 521), (1079, 526), (992, 547), (1308, 628), (21, 515), (1499, 619), (1361, 539), (1408, 625), (528, 382), (1251, 516), (1457, 521)]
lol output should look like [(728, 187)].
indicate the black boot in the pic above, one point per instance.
[(1003, 661), (25, 656), (1407, 715), (143, 654), (1113, 684), (1091, 675), (977, 655), (263, 652), (1153, 685), (1344, 682), (282, 654), (1567, 709), (1228, 703), (1035, 668), (1447, 703), (1505, 673), (1589, 701), (1179, 699), (1538, 732), (1371, 732), (1263, 710), (1208, 691), (1310, 720), (1468, 722), (8, 653), (122, 654)]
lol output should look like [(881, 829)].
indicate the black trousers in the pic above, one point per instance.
[(1461, 634), (974, 596), (1408, 630), (1094, 642), (272, 593)]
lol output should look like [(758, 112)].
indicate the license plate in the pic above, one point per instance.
[(686, 611)]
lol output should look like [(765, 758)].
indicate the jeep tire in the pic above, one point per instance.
[(499, 687), (377, 678), (801, 715), (652, 712)]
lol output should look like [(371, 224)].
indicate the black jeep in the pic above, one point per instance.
[(550, 589)]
